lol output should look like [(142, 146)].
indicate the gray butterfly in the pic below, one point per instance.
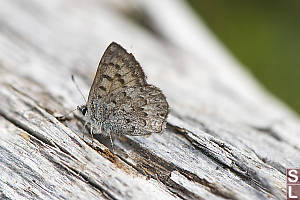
[(120, 100)]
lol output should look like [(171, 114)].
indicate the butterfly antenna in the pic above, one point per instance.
[(73, 79), (63, 117)]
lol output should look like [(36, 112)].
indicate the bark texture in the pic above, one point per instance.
[(226, 137)]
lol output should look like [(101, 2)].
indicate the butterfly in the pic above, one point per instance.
[(120, 100)]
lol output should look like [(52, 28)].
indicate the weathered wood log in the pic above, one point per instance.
[(226, 137)]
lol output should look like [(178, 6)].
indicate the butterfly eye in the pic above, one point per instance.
[(83, 109)]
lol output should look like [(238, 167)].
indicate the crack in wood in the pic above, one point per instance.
[(27, 129), (246, 173), (161, 169), (104, 191)]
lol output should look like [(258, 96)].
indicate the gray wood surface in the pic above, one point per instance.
[(226, 137)]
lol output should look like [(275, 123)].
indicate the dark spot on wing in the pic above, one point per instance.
[(102, 88)]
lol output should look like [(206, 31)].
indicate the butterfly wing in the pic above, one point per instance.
[(121, 99), (141, 111), (116, 70)]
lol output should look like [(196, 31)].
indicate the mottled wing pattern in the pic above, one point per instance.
[(117, 69), (140, 111), (121, 101)]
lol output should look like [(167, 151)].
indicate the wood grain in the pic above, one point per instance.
[(226, 137)]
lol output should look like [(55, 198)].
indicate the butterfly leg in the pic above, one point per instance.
[(85, 125), (111, 141), (92, 135)]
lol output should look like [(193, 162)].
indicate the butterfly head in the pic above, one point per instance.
[(82, 109)]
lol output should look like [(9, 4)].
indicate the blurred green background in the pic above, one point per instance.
[(264, 35)]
